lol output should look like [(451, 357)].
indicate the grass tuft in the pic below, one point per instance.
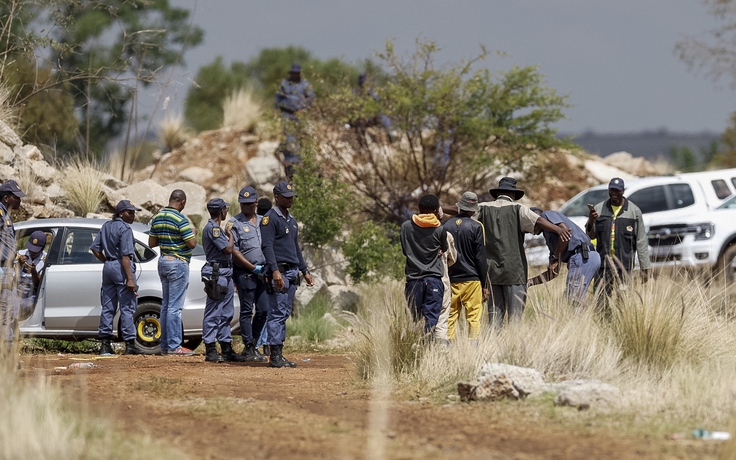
[(81, 182), (8, 113), (310, 324), (242, 110), (173, 132)]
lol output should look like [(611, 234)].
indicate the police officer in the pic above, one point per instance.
[(32, 262), (10, 197), (248, 272), (280, 234), (114, 246), (295, 95), (218, 277)]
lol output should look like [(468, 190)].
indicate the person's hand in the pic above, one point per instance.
[(486, 294), (258, 269), (229, 232), (593, 215), (644, 276), (554, 267), (278, 280), (308, 278), (23, 259), (130, 285), (565, 234)]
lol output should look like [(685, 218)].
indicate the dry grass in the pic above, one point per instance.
[(28, 182), (8, 113), (242, 110), (36, 422), (173, 132), (80, 180), (668, 345)]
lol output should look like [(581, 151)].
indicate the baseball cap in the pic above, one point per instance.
[(12, 187), (616, 183), (125, 205), (295, 68), (216, 204), (37, 241), (284, 189), (247, 195)]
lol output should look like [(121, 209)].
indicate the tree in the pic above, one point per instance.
[(455, 129)]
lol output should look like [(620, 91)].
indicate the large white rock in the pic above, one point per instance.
[(329, 262), (262, 170), (343, 297), (267, 149), (526, 380), (112, 181), (110, 197), (304, 293), (55, 193), (196, 208), (29, 152), (8, 136), (6, 154), (196, 174), (147, 194), (603, 172), (585, 393), (6, 172), (44, 172)]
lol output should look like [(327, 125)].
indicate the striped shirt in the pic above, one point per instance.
[(172, 230)]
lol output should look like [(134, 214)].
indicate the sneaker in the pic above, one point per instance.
[(180, 351)]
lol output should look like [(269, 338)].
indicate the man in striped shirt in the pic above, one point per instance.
[(171, 230)]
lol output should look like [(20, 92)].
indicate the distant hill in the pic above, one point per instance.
[(648, 144)]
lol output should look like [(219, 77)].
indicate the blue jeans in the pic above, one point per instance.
[(174, 274), (580, 273), (425, 300)]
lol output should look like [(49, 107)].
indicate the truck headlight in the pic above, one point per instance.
[(704, 231)]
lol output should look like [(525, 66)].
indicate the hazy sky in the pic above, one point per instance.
[(614, 59)]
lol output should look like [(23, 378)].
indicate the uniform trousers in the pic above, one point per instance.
[(470, 295), (253, 297), (219, 313), (280, 305), (114, 293), (580, 273)]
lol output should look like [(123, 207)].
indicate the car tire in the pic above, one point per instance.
[(147, 322), (729, 273)]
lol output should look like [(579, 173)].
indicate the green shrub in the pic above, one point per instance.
[(371, 254), (60, 346), (309, 322)]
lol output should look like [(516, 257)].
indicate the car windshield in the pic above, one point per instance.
[(728, 204), (579, 206)]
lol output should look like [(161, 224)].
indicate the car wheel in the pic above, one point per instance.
[(727, 264), (147, 321)]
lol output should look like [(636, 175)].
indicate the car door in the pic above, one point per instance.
[(72, 288)]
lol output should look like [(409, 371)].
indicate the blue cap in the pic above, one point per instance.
[(11, 186), (616, 183), (284, 189), (125, 205), (247, 195), (295, 68), (37, 241), (361, 78), (216, 205)]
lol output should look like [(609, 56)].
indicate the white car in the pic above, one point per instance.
[(68, 302)]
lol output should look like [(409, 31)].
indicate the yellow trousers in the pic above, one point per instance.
[(470, 295)]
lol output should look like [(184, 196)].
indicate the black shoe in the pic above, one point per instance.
[(229, 355), (211, 354), (106, 348), (267, 350), (131, 348), (250, 353), (277, 359)]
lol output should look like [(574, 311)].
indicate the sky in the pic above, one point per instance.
[(614, 59)]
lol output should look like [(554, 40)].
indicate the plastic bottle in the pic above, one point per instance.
[(712, 435), (81, 365)]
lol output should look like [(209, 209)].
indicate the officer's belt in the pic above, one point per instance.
[(222, 264), (579, 249), (286, 267)]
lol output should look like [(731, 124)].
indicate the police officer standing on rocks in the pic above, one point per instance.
[(248, 272), (217, 275), (10, 197), (280, 234), (114, 246)]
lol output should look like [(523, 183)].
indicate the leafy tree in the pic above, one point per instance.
[(454, 129), (371, 253)]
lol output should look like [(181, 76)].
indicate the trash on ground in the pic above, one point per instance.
[(306, 360), (81, 366), (711, 435)]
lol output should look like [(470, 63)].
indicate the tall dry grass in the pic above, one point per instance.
[(242, 110), (36, 422), (28, 182), (172, 131), (82, 183), (8, 113), (668, 345)]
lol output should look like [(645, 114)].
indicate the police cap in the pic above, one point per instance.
[(216, 205), (284, 189), (247, 195), (11, 186)]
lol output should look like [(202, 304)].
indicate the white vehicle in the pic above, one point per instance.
[(704, 239)]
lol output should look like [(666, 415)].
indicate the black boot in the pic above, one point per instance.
[(211, 354), (277, 359), (250, 352), (106, 348), (229, 355), (267, 350), (131, 348)]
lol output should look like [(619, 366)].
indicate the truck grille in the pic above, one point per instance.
[(668, 235)]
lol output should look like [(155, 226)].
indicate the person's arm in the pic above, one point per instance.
[(268, 234), (229, 248), (188, 233), (96, 246), (563, 233), (642, 247), (480, 261), (127, 262), (589, 225), (302, 264), (444, 246), (152, 241), (450, 210)]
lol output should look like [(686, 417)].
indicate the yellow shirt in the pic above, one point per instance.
[(616, 212)]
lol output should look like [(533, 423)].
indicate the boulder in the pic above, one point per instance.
[(603, 172), (8, 136), (196, 208), (111, 181), (143, 216), (329, 262), (50, 211), (526, 380), (29, 152), (147, 194), (305, 293), (636, 166), (343, 297), (585, 393), (55, 193), (196, 174), (44, 172), (6, 171), (262, 170), (488, 390), (6, 154), (266, 149)]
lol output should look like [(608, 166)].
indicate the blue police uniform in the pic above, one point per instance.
[(26, 289), (217, 313), (293, 97), (115, 240), (280, 235), (251, 290)]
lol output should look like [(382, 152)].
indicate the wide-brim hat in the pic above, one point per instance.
[(505, 186), (468, 202)]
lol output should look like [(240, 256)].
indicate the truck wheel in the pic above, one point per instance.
[(147, 322), (727, 261)]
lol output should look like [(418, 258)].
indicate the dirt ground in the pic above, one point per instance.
[(218, 411)]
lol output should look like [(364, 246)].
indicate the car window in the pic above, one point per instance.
[(143, 252), (733, 182), (721, 189), (75, 246), (579, 207), (22, 237), (682, 195), (650, 199), (728, 204)]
